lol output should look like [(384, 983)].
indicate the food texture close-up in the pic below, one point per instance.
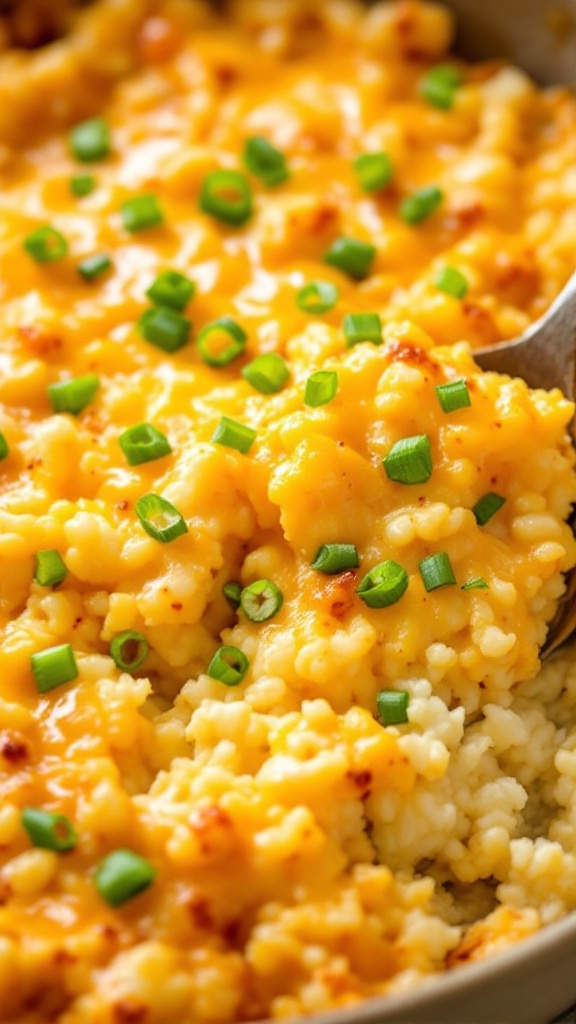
[(277, 557)]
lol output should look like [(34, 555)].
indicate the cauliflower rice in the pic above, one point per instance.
[(294, 851)]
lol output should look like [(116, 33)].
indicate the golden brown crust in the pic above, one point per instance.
[(32, 23)]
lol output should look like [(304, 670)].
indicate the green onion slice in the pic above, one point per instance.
[(454, 395), (226, 196), (360, 327), (264, 161), (352, 256), (222, 341), (487, 506), (49, 831), (439, 85), (335, 558), (267, 373), (4, 447), (160, 518), (321, 388), (82, 184), (54, 667), (452, 282), (421, 205), (261, 600), (409, 461), (317, 297), (90, 140), (436, 571), (73, 395), (49, 568), (232, 434), (478, 583), (171, 288), (143, 443), (232, 592), (393, 706), (122, 875), (383, 585), (129, 650), (46, 245), (165, 328), (374, 171), (94, 266), (141, 212), (229, 666)]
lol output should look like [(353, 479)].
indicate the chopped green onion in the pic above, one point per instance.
[(141, 212), (321, 388), (362, 327), (227, 196), (352, 257), (4, 448), (478, 583), (49, 568), (261, 600), (160, 518), (222, 341), (383, 585), (334, 558), (46, 245), (487, 506), (409, 461), (393, 706), (49, 831), (90, 140), (171, 288), (236, 435), (421, 205), (165, 328), (129, 650), (232, 592), (82, 184), (122, 875), (73, 395), (452, 282), (317, 297), (143, 443), (439, 85), (374, 171), (265, 161), (267, 373), (229, 666), (436, 571), (94, 266), (54, 667), (454, 395)]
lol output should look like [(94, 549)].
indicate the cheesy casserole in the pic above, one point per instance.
[(276, 558)]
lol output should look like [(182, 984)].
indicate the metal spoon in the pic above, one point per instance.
[(545, 357)]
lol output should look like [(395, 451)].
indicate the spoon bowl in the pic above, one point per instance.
[(545, 357)]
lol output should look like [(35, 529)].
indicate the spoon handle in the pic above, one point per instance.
[(545, 356)]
